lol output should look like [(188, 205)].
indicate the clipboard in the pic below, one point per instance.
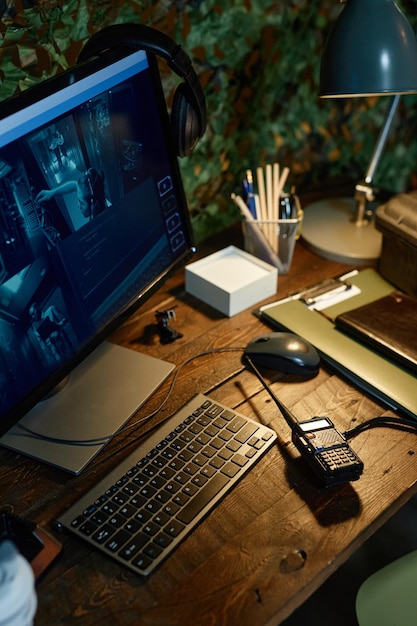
[(375, 374)]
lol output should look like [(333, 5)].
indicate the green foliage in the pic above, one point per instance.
[(258, 61)]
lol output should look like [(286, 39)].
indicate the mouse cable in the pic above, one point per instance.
[(401, 423)]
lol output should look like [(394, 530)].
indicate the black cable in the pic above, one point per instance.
[(383, 421)]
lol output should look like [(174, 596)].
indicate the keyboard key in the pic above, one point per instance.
[(127, 510), (217, 462), (110, 508), (208, 451), (219, 423), (230, 470), (204, 496), (207, 472), (133, 526), (142, 562), (181, 499), (191, 468), (200, 479), (236, 424), (91, 509), (234, 446), (152, 550), (163, 540), (103, 534), (143, 516), (133, 546), (228, 415), (120, 498), (190, 489), (88, 528), (174, 528), (99, 518), (118, 540), (214, 410), (161, 518), (171, 508), (117, 520), (246, 432), (240, 460), (150, 528)]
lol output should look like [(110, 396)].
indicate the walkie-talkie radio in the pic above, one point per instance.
[(324, 448)]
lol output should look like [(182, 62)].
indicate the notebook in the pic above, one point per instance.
[(388, 325)]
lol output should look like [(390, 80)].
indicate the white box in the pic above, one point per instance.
[(231, 280)]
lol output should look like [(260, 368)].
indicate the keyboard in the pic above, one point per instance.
[(151, 501)]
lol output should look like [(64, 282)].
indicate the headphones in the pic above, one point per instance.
[(188, 115)]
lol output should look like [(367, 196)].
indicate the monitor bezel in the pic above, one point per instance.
[(40, 92)]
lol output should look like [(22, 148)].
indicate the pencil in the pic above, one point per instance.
[(262, 195), (283, 180), (275, 178), (238, 200)]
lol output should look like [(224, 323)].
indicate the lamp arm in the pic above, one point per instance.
[(382, 138), (364, 192)]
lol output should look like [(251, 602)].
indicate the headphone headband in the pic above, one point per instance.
[(139, 36)]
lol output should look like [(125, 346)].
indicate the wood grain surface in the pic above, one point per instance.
[(276, 537)]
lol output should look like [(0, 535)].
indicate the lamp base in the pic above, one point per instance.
[(330, 231)]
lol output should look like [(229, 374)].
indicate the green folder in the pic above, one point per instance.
[(370, 371)]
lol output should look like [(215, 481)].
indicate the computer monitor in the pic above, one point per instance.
[(93, 217)]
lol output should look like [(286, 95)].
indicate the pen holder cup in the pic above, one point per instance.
[(273, 241)]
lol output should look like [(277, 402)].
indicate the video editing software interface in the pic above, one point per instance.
[(91, 215)]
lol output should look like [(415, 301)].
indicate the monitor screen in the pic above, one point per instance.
[(93, 218)]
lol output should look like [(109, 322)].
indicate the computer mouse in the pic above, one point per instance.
[(285, 352)]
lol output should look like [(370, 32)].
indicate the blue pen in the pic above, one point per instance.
[(249, 195)]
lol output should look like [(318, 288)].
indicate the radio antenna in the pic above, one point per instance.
[(287, 414)]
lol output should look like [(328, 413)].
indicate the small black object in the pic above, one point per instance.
[(285, 352), (167, 334), (22, 532)]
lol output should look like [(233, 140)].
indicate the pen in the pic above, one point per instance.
[(325, 295), (249, 195)]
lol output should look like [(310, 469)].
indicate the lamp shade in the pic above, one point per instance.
[(372, 49)]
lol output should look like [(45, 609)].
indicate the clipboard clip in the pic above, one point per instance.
[(326, 288)]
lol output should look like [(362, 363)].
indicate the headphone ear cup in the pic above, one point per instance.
[(188, 114), (185, 122)]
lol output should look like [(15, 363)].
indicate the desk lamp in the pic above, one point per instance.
[(372, 50)]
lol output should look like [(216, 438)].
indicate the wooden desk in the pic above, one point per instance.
[(242, 565)]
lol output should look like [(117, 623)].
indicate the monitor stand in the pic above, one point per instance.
[(102, 393)]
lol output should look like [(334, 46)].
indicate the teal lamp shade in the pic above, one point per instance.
[(372, 49)]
